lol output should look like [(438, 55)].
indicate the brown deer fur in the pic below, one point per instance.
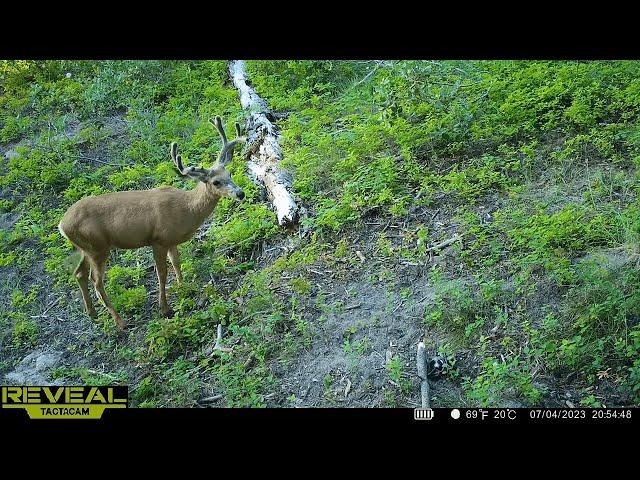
[(161, 218)]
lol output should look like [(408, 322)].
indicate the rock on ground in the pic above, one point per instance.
[(34, 369)]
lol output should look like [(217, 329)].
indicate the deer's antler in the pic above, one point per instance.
[(177, 160), (226, 154)]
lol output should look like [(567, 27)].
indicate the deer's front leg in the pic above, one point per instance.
[(160, 256)]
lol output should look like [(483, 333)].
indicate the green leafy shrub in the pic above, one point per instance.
[(25, 332), (243, 229), (498, 380), (123, 290)]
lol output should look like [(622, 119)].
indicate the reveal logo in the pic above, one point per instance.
[(64, 402)]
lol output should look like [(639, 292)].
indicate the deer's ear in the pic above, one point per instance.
[(196, 173), (199, 177)]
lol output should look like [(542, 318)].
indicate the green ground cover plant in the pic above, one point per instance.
[(533, 163)]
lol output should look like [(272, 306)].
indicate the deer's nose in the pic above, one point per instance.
[(240, 195)]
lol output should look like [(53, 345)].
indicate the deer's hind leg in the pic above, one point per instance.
[(174, 256), (160, 256), (97, 262), (82, 277)]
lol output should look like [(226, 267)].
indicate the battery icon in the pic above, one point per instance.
[(422, 414)]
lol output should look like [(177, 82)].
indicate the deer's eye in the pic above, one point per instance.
[(217, 183)]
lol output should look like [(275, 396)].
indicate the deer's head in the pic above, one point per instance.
[(217, 178)]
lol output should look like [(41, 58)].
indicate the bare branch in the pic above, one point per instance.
[(445, 243), (421, 364), (218, 345), (379, 63)]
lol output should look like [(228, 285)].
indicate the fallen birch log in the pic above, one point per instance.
[(263, 148)]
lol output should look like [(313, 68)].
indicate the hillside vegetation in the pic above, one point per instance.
[(533, 164)]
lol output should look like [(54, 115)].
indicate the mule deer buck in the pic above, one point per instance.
[(161, 218)]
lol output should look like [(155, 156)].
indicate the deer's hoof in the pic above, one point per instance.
[(120, 324), (168, 313)]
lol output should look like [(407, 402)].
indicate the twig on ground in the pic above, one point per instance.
[(379, 63), (92, 159), (248, 362), (49, 307), (423, 298), (80, 156), (445, 243), (212, 399), (352, 307), (347, 388), (396, 309)]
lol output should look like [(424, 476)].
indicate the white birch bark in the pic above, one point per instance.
[(263, 148)]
